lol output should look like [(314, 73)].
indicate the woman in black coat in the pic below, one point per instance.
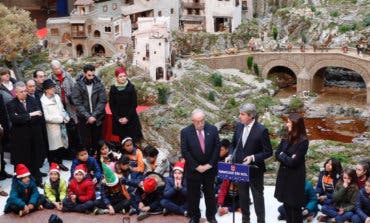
[(290, 182), (123, 103)]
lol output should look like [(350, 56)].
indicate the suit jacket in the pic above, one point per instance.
[(192, 152), (257, 144)]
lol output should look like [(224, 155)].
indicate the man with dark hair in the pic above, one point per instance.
[(155, 161), (90, 99), (251, 143), (39, 77)]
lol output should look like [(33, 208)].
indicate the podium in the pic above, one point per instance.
[(234, 173)]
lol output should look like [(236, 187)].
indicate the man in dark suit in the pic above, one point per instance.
[(251, 143), (200, 146), (26, 133), (4, 137)]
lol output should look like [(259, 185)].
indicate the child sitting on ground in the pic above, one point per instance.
[(113, 195), (155, 161), (174, 195), (81, 193), (135, 155), (362, 206), (93, 168), (310, 209), (148, 197), (362, 172), (344, 198), (107, 156), (24, 197), (55, 190), (328, 178)]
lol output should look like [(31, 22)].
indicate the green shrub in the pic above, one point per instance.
[(275, 32), (313, 8), (211, 96), (304, 38), (250, 62), (346, 28), (295, 103), (354, 1), (180, 112), (366, 21), (216, 80), (162, 94), (334, 13), (256, 69)]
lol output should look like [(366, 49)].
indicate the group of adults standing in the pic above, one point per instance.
[(45, 116), (200, 146)]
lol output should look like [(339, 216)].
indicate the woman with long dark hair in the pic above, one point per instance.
[(290, 182)]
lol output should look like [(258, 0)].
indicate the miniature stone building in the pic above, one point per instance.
[(92, 29), (222, 15), (152, 47), (192, 18)]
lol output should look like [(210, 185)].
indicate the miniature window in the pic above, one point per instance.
[(114, 6), (236, 3), (159, 13), (121, 47), (96, 33), (105, 8), (172, 11), (54, 31), (107, 29), (160, 43), (116, 29), (155, 52)]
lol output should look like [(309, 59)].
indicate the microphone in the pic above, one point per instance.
[(236, 148)]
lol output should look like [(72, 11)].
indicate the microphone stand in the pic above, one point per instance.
[(233, 191)]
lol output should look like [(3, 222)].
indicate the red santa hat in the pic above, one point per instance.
[(149, 185), (179, 166), (80, 168), (22, 171), (54, 167), (119, 70)]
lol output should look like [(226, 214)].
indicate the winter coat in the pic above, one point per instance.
[(123, 104), (311, 198), (93, 168), (362, 204), (323, 188), (7, 95), (67, 86), (224, 191), (345, 197), (55, 116), (51, 194), (178, 196), (291, 176), (22, 194), (136, 160), (161, 164), (114, 194), (84, 190), (80, 98)]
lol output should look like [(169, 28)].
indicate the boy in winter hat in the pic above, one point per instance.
[(174, 195), (55, 189), (113, 198), (81, 192), (24, 196)]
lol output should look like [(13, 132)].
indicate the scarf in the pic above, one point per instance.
[(55, 187), (119, 86)]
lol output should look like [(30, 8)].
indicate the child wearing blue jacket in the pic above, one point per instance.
[(362, 205), (93, 168), (24, 197)]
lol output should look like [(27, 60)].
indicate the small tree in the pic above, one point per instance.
[(162, 94), (275, 32), (256, 69), (304, 38), (18, 35), (250, 62)]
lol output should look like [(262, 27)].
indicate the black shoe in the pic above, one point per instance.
[(62, 167), (165, 212), (212, 221), (280, 218), (43, 174), (5, 174), (194, 220)]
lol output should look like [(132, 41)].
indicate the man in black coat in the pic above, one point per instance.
[(26, 134), (5, 123), (90, 99), (200, 146), (39, 77), (251, 143)]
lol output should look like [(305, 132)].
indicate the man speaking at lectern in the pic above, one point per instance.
[(251, 143)]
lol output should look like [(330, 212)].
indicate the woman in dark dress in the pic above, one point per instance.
[(123, 103), (290, 182)]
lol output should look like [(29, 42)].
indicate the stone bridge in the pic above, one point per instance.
[(306, 66)]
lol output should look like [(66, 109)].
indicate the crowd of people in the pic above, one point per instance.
[(43, 118)]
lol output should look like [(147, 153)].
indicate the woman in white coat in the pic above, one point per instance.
[(56, 118)]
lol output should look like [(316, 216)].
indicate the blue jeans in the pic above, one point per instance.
[(357, 219), (172, 207), (333, 213)]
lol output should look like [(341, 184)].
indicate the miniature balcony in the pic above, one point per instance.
[(79, 35), (192, 5)]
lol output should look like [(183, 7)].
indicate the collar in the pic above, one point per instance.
[(251, 124)]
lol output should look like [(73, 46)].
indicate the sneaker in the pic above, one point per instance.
[(142, 215), (280, 218), (123, 211), (186, 214), (98, 211), (322, 218), (222, 211), (165, 211), (310, 218), (132, 211), (20, 213)]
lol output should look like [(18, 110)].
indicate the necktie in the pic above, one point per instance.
[(201, 140), (245, 135), (24, 104)]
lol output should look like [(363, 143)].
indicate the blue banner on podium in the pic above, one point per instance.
[(233, 172)]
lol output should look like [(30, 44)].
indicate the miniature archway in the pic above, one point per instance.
[(98, 50), (79, 50), (96, 33), (283, 76), (159, 73)]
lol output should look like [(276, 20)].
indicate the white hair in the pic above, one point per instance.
[(55, 63), (197, 111), (19, 84)]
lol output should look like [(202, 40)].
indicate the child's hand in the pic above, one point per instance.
[(73, 198), (305, 212), (94, 180), (341, 211), (26, 210), (367, 220), (322, 198), (141, 206), (146, 208), (30, 206), (111, 210)]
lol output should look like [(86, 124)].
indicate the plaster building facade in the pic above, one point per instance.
[(152, 8), (152, 47), (192, 18), (223, 15), (247, 9), (92, 29)]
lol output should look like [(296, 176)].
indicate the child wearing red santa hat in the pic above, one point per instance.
[(24, 196), (81, 192), (55, 190)]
